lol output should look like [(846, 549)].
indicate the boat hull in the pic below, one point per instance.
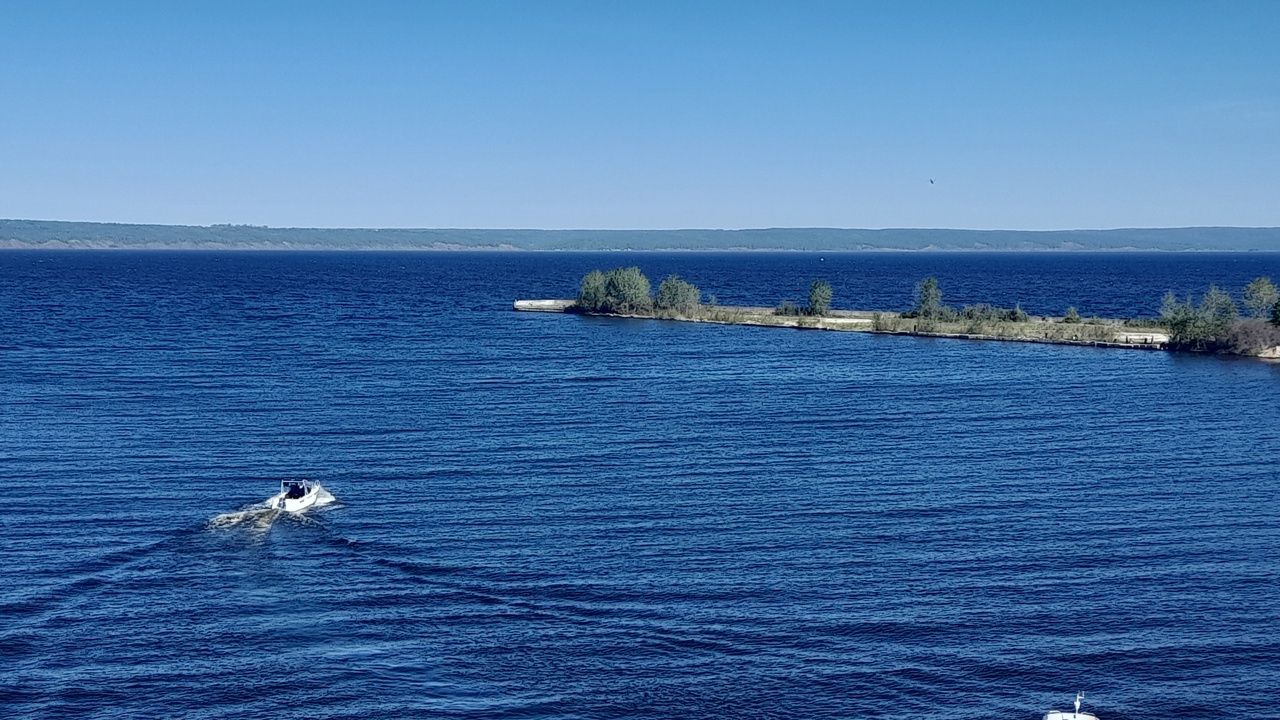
[(297, 505), (283, 502)]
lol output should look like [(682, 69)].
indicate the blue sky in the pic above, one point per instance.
[(614, 114)]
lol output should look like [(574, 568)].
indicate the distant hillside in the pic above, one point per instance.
[(52, 234)]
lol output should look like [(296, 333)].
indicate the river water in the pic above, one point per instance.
[(553, 516)]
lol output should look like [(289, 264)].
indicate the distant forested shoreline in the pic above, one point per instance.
[(50, 234)]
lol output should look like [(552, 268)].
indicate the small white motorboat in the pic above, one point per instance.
[(1077, 715), (295, 496)]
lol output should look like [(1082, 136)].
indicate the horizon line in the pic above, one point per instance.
[(640, 229)]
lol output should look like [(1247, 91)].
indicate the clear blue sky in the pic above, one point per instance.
[(613, 114)]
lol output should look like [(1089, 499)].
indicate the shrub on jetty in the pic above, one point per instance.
[(929, 311), (881, 322), (621, 290), (983, 312), (725, 315), (676, 294), (819, 302), (1249, 337), (1072, 317), (1202, 327)]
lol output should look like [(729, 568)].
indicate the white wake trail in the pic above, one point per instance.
[(259, 517)]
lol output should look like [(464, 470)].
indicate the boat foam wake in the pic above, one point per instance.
[(261, 516)]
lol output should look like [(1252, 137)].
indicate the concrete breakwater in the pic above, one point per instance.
[(1106, 333), (544, 305)]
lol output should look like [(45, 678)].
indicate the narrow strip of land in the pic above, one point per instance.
[(1094, 332)]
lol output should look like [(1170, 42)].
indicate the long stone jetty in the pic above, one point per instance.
[(1096, 333)]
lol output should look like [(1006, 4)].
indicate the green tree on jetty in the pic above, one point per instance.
[(626, 290), (676, 294), (621, 290), (819, 298), (1262, 298), (928, 299), (591, 296), (1219, 309)]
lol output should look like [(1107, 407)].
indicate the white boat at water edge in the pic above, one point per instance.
[(1077, 715), (295, 495)]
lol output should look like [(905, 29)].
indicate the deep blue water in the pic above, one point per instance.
[(546, 516)]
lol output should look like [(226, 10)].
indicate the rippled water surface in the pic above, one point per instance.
[(567, 517)]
